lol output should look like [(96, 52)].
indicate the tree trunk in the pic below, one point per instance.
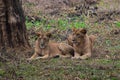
[(12, 25)]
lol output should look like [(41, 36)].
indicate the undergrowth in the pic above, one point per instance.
[(61, 24)]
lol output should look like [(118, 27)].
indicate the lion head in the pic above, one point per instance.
[(78, 35), (43, 39)]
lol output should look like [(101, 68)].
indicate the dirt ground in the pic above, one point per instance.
[(105, 61)]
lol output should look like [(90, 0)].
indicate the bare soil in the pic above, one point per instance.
[(104, 63)]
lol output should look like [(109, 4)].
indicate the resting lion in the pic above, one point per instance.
[(81, 42), (45, 48)]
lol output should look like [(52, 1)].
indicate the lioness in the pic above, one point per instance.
[(81, 42), (45, 48)]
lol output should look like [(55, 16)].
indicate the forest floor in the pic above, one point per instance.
[(103, 65)]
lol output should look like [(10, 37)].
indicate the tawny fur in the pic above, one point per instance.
[(82, 43), (45, 48)]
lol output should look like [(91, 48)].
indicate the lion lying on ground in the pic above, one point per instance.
[(81, 42), (44, 48)]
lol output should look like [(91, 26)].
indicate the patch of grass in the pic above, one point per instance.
[(100, 68), (105, 61), (117, 64), (31, 24), (30, 4), (61, 24), (27, 70), (108, 42), (63, 69), (117, 24), (79, 25), (2, 72)]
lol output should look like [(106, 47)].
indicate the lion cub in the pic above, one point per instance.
[(44, 48), (81, 42)]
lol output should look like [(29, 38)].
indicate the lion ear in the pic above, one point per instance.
[(84, 31), (48, 34), (37, 33)]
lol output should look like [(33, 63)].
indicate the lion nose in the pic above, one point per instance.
[(42, 44)]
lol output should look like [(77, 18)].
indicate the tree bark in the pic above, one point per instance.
[(12, 25)]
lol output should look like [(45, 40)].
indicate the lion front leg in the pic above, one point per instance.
[(65, 56), (76, 56), (85, 56), (43, 57)]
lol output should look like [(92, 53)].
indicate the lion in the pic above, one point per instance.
[(44, 48), (81, 42)]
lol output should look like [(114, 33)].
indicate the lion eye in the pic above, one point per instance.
[(77, 35)]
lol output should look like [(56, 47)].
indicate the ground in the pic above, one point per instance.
[(103, 65)]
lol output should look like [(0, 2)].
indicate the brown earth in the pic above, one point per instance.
[(105, 61), (98, 9)]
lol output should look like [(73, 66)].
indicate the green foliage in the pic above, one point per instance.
[(63, 69), (2, 72), (105, 61), (117, 24), (118, 64), (79, 24), (61, 24), (29, 4), (27, 70), (108, 42), (31, 24)]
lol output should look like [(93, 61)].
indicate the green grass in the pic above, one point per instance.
[(117, 24), (2, 72), (31, 24), (64, 69), (96, 68), (61, 24)]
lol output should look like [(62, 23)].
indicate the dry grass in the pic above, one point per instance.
[(103, 65)]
